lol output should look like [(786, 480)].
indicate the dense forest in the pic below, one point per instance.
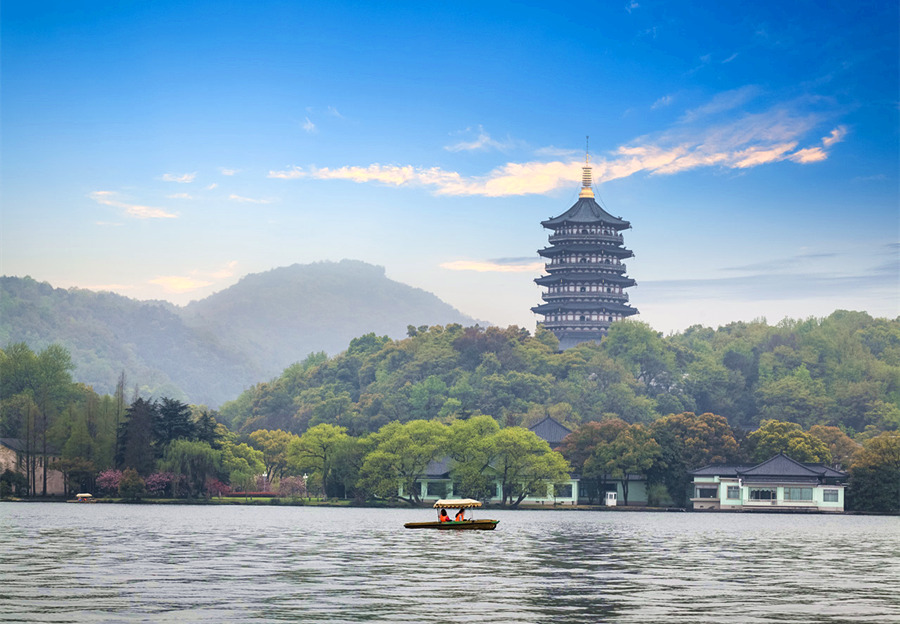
[(843, 370), (363, 422), (210, 350)]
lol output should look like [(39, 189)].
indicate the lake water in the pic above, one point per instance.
[(159, 563)]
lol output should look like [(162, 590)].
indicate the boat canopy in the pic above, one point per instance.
[(457, 503), (83, 495)]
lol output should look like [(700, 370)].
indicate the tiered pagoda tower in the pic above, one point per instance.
[(586, 282)]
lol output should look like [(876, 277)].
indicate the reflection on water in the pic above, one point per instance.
[(156, 563)]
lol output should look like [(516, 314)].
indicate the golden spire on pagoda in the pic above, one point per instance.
[(586, 190)]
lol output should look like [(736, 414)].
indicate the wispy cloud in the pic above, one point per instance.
[(179, 196), (482, 142), (631, 6), (704, 137), (309, 126), (500, 265), (110, 198), (662, 102), (227, 172), (179, 283), (181, 178), (195, 279), (248, 200)]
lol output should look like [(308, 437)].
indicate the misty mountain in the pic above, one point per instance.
[(210, 350)]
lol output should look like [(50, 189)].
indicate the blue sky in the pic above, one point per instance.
[(163, 150)]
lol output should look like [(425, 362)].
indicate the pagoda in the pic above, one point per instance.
[(586, 278)]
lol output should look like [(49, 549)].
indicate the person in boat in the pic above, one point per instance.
[(460, 515), (444, 517)]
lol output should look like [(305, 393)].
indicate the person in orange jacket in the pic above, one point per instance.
[(444, 517), (460, 515)]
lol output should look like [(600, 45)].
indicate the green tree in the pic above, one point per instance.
[(472, 450), (875, 475), (136, 437), (525, 465), (274, 446), (316, 451), (172, 421), (775, 436), (578, 446), (131, 485), (633, 452), (842, 446), (688, 442), (400, 457), (195, 461)]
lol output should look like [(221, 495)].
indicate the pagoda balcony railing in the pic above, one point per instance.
[(586, 296), (585, 326), (584, 265), (579, 238)]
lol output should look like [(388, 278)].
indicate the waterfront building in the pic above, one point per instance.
[(585, 282), (15, 456), (777, 484)]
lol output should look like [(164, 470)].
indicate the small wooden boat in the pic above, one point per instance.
[(83, 498), (462, 504)]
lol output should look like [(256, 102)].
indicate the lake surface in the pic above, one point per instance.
[(159, 563)]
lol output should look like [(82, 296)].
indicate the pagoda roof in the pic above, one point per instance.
[(586, 210), (583, 306), (611, 250), (610, 278)]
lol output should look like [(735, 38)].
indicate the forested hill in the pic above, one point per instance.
[(209, 351), (843, 371), (280, 316)]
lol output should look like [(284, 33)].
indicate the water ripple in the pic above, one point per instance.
[(152, 563)]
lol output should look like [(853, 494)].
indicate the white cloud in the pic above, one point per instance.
[(183, 178), (210, 186), (334, 112), (110, 198), (494, 266), (290, 174), (740, 141), (227, 172), (179, 283), (661, 102), (309, 126), (482, 142), (179, 196)]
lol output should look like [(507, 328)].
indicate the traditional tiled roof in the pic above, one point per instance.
[(438, 469), (550, 430), (778, 467), (586, 210)]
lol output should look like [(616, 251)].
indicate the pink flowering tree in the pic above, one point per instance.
[(159, 483), (108, 481), (214, 487)]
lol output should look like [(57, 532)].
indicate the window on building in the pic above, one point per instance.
[(436, 489), (763, 494), (795, 494), (830, 496), (798, 494), (562, 491), (734, 492), (707, 492)]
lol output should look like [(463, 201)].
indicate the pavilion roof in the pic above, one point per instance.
[(550, 430)]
